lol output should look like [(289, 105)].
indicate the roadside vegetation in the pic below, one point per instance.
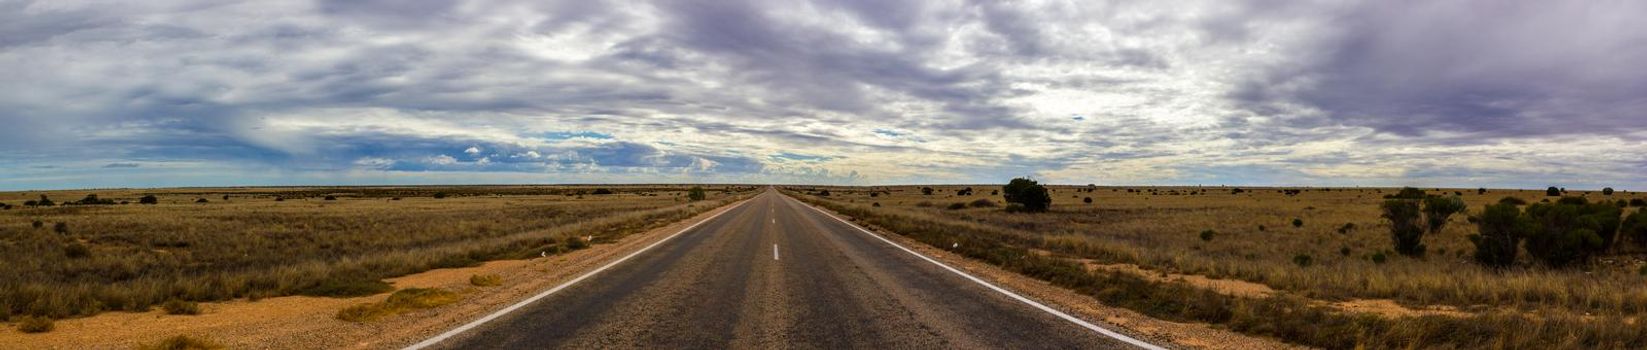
[(1421, 249), (166, 248)]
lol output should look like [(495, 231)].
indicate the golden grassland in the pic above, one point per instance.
[(1255, 240), (76, 260)]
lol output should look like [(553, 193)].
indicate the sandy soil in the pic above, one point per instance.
[(1165, 333), (307, 322)]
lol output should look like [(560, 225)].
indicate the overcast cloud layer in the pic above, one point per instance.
[(1426, 93)]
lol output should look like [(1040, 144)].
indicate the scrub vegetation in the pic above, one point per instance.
[(1454, 262), (167, 248)]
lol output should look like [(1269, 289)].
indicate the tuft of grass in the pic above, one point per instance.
[(402, 301), (487, 280), (181, 342), (346, 288), (35, 324), (179, 307)]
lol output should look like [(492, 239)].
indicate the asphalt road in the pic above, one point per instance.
[(774, 273)]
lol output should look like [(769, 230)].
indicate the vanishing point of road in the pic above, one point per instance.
[(774, 273)]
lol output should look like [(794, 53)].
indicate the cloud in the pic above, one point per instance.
[(120, 165), (1468, 93)]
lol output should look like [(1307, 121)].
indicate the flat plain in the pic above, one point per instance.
[(214, 244), (1311, 266)]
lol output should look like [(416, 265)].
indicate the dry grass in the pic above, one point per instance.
[(182, 343), (402, 301), (133, 257), (1160, 229), (487, 280)]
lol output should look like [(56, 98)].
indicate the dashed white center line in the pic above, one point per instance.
[(774, 252)]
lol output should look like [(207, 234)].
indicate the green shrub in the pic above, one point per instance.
[(1552, 191), (696, 194), (202, 200), (983, 203), (1502, 227), (439, 195), (1379, 258), (35, 324), (1028, 193), (1087, 200), (1206, 235), (1409, 193), (179, 307), (1438, 209), (1607, 191), (181, 343), (330, 197), (76, 250), (1571, 230), (1296, 222), (956, 206), (343, 287), (148, 199), (1302, 260), (487, 280), (927, 191), (1635, 227), (601, 191), (1513, 200), (1405, 229), (925, 204)]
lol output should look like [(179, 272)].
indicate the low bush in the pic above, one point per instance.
[(202, 200), (1552, 192), (1607, 191), (1302, 260), (179, 307), (342, 287), (601, 191), (925, 204), (1502, 227), (1571, 230), (1087, 200), (983, 203), (696, 194), (76, 250), (1348, 226), (1296, 222), (956, 206), (148, 199), (1206, 235), (60, 227), (1513, 201), (1638, 202), (35, 324), (182, 343), (439, 195), (1634, 227), (402, 301), (38, 224), (487, 280), (926, 191), (330, 197), (1378, 258), (1028, 193)]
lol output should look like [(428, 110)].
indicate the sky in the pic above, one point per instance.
[(1466, 93)]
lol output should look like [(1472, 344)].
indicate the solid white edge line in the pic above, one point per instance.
[(1038, 305), (476, 323)]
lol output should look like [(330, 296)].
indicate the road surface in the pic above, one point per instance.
[(775, 273)]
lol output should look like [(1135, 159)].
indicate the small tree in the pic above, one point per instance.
[(1087, 200), (696, 194), (1028, 193), (1502, 228), (1607, 191), (1438, 209), (926, 191), (1552, 191), (1405, 228)]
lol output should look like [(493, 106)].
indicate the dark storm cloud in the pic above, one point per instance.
[(1490, 69)]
